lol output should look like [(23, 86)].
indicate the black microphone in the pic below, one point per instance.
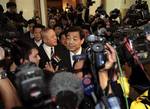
[(89, 88)]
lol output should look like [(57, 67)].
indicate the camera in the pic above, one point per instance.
[(30, 85), (139, 43), (136, 40), (95, 52), (138, 13)]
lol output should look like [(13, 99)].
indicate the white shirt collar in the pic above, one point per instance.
[(48, 50), (38, 43)]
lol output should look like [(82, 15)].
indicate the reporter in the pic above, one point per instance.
[(109, 97), (103, 73)]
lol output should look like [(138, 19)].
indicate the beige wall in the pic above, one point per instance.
[(3, 3), (111, 4), (120, 4), (27, 6), (43, 12), (94, 7)]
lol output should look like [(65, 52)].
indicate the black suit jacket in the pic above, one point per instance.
[(60, 51)]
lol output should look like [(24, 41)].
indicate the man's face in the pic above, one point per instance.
[(58, 30), (34, 56), (52, 23), (74, 41), (63, 39), (50, 38), (37, 34), (12, 9)]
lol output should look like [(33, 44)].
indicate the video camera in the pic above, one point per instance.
[(31, 86), (95, 52), (138, 13), (136, 41), (10, 42)]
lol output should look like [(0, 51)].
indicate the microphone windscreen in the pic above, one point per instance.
[(66, 81)]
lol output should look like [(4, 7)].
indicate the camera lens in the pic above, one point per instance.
[(98, 47)]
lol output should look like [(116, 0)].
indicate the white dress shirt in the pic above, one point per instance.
[(38, 43), (48, 50)]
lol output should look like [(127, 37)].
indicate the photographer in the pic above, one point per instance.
[(103, 81), (7, 90)]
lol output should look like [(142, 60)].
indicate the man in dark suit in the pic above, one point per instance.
[(37, 40), (75, 39), (50, 48)]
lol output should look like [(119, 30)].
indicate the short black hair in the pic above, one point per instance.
[(86, 26), (11, 4), (30, 21), (76, 29), (66, 100), (38, 26), (25, 48)]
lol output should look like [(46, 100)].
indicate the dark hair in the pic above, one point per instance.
[(30, 21), (66, 100), (76, 29), (11, 4), (25, 48), (59, 25), (62, 33), (38, 26), (87, 27)]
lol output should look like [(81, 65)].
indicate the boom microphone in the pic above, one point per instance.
[(66, 81), (89, 88)]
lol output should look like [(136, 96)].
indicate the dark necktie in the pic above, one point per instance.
[(52, 51)]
